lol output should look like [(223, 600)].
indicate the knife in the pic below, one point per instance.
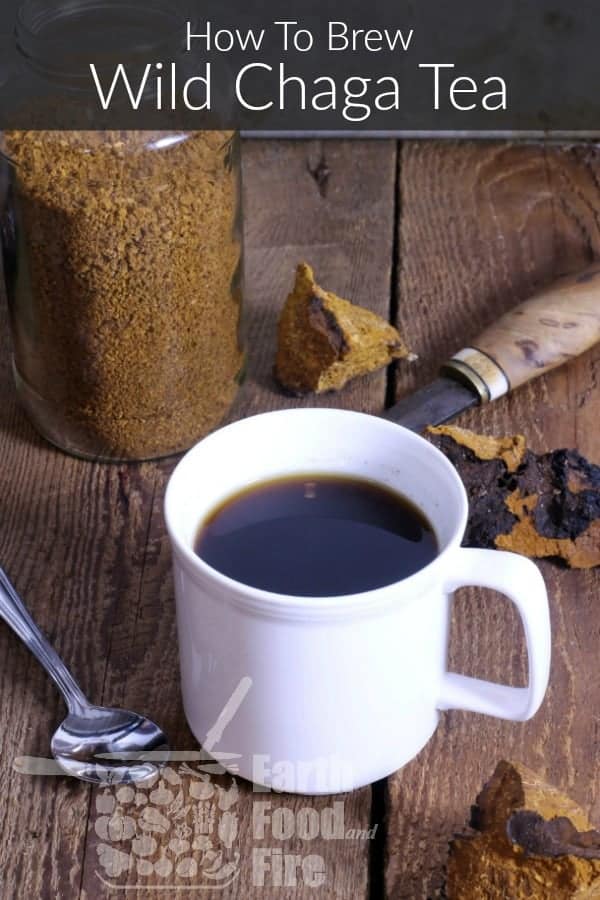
[(540, 334)]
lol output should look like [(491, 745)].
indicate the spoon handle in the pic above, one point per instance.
[(16, 615)]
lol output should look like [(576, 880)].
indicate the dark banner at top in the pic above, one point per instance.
[(420, 66)]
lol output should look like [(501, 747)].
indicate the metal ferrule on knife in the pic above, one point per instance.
[(530, 339), (478, 371)]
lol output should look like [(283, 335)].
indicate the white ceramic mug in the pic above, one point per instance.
[(326, 694)]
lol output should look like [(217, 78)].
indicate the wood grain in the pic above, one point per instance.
[(331, 204), (480, 227), (86, 546), (484, 226), (546, 331)]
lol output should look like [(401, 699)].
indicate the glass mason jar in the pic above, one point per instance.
[(122, 260)]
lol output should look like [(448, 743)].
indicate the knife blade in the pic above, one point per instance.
[(433, 404), (536, 336)]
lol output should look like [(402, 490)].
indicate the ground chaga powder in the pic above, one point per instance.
[(123, 286)]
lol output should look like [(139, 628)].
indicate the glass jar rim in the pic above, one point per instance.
[(59, 38)]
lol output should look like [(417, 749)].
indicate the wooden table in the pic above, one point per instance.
[(440, 237)]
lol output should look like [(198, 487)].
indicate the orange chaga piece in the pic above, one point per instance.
[(540, 505), (324, 340), (529, 841)]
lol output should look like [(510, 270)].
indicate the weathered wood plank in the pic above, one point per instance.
[(333, 206), (70, 531), (483, 226), (57, 542)]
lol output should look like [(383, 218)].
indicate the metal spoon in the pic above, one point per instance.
[(94, 743)]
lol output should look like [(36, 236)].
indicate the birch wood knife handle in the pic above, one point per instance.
[(540, 334)]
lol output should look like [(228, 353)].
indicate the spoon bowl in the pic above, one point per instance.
[(94, 743), (107, 745)]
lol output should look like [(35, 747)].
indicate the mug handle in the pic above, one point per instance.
[(521, 581)]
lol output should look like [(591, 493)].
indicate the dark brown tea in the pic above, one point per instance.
[(317, 536)]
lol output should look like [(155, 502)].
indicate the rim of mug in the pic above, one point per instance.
[(270, 601)]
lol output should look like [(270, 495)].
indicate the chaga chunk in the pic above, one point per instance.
[(545, 505), (324, 341), (529, 840), (510, 449)]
